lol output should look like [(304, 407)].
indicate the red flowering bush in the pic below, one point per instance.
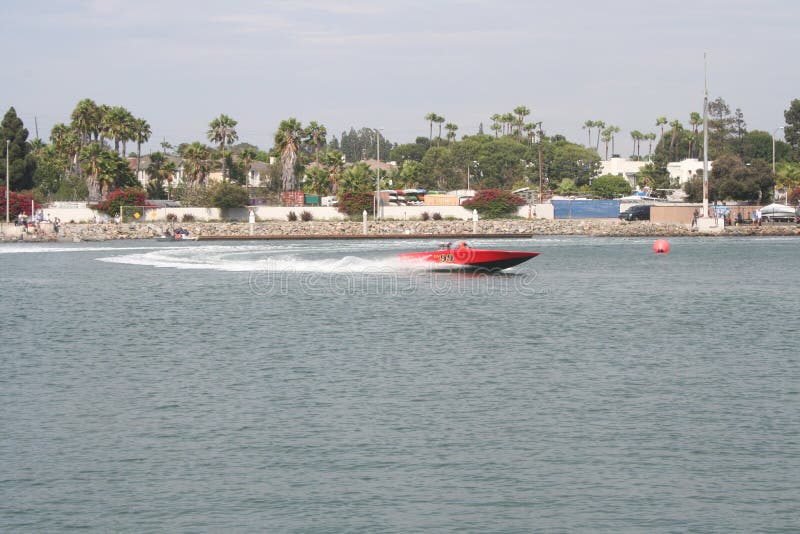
[(494, 204), (128, 196), (353, 204), (17, 203)]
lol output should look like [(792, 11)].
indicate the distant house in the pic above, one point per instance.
[(682, 171), (144, 178), (626, 168), (687, 169)]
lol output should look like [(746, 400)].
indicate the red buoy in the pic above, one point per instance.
[(661, 246)]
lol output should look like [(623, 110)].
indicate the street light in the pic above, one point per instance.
[(773, 163)]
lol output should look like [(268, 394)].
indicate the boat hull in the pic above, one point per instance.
[(470, 258)]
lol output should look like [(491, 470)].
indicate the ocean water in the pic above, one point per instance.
[(324, 386)]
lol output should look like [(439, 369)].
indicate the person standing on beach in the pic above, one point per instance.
[(694, 218)]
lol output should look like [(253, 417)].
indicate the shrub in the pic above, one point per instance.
[(425, 216), (17, 203), (610, 186), (128, 196), (355, 203), (187, 217), (306, 216), (226, 195), (291, 216), (494, 204), (437, 216), (171, 217)]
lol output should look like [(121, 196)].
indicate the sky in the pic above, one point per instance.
[(377, 64)]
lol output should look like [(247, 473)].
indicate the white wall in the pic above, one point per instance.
[(280, 213)]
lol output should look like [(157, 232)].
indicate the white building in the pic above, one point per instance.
[(682, 171), (687, 169)]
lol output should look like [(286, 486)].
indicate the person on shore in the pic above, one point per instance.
[(758, 217), (694, 217)]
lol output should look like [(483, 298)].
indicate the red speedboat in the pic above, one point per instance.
[(465, 258)]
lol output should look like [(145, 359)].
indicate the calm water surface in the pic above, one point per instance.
[(323, 386)]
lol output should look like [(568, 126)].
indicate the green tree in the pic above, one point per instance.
[(791, 131), (222, 130), (588, 125), (431, 118), (86, 120), (451, 131), (141, 133), (316, 181), (21, 162), (660, 122), (315, 136), (196, 164), (357, 179), (118, 123), (333, 163), (226, 195), (288, 140), (610, 186), (92, 159), (521, 112), (410, 151), (438, 165), (695, 120)]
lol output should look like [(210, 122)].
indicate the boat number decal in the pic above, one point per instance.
[(445, 258)]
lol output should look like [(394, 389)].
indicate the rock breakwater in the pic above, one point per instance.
[(344, 229)]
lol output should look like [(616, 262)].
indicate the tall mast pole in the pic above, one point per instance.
[(705, 139)]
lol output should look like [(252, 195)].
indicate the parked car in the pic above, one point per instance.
[(636, 213)]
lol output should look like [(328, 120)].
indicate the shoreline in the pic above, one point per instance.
[(386, 229)]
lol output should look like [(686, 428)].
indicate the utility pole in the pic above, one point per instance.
[(541, 171), (8, 190)]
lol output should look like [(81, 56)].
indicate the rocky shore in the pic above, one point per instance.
[(344, 229)]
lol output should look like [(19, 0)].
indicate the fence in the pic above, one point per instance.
[(585, 209)]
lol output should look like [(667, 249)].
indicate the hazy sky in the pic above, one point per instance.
[(178, 64)]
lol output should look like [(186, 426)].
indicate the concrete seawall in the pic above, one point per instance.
[(345, 229)]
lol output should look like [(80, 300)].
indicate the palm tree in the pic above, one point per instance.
[(521, 112), (530, 131), (695, 119), (637, 137), (333, 163), (91, 157), (496, 118), (86, 119), (614, 131), (222, 130), (315, 135), (650, 137), (195, 162), (605, 136), (588, 125), (676, 126), (508, 121), (431, 118), (599, 125), (142, 132), (288, 139), (357, 178), (116, 123), (439, 120), (246, 157), (661, 121), (451, 131)]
